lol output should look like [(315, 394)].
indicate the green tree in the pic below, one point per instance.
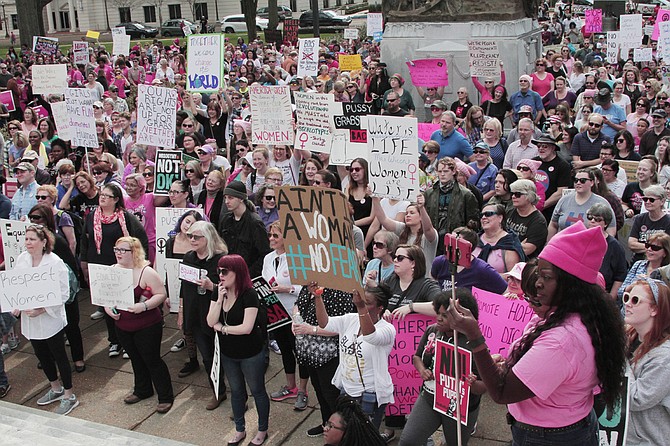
[(249, 8)]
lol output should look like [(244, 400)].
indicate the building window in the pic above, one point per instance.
[(326, 4), (150, 14), (15, 21), (175, 11), (124, 15), (200, 11), (64, 19), (338, 2)]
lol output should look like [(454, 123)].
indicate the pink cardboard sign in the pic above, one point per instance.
[(7, 98), (426, 129), (429, 72), (407, 380), (662, 16), (41, 111), (594, 20), (446, 381), (501, 320)]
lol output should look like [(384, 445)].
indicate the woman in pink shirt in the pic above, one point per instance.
[(572, 348), (486, 90), (543, 82)]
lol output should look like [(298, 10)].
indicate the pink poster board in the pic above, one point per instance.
[(662, 16), (426, 129), (7, 98), (594, 20), (429, 72)]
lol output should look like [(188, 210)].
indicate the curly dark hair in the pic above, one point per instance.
[(603, 322), (359, 429)]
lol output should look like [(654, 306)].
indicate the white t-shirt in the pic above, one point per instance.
[(290, 168), (391, 210)]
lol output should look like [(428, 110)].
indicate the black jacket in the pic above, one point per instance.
[(247, 238)]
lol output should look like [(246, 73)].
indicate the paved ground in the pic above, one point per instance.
[(102, 387)]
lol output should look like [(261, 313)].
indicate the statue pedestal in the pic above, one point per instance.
[(519, 43)]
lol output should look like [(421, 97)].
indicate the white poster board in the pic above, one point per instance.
[(349, 139), (156, 116), (308, 57), (484, 58), (29, 288), (272, 113), (612, 46), (111, 286), (13, 240), (351, 33), (313, 121), (119, 31), (375, 23), (204, 72), (630, 31), (642, 54), (664, 41), (80, 50), (62, 120), (49, 79), (121, 44), (79, 102)]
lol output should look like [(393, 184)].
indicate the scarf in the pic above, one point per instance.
[(99, 219)]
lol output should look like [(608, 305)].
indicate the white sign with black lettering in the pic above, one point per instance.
[(13, 240), (29, 288), (111, 286)]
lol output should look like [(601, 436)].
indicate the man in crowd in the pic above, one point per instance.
[(586, 146), (523, 147), (451, 142)]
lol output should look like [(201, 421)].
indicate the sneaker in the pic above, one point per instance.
[(14, 342), (284, 393), (315, 431), (301, 401), (178, 346), (189, 367), (474, 429), (66, 405), (4, 390), (5, 349), (114, 350), (275, 347), (126, 355), (97, 315), (50, 397)]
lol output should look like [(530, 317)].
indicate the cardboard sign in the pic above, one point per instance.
[(429, 72), (189, 273), (426, 129), (156, 116), (351, 33), (277, 314), (273, 115), (47, 46), (13, 240), (313, 121), (642, 54), (291, 27), (308, 57), (215, 373), (663, 15), (631, 169), (501, 320), (446, 390), (62, 121), (484, 58), (317, 226), (7, 98), (79, 102), (613, 427), (80, 50), (594, 21), (121, 44), (630, 31), (29, 288), (375, 23), (167, 170), (349, 138), (93, 34), (111, 286), (393, 158), (407, 380), (49, 79), (612, 46), (204, 71), (350, 62)]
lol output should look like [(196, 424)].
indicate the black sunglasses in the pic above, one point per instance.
[(581, 180), (401, 257), (654, 248), (487, 214), (223, 271), (517, 194), (379, 245), (649, 199)]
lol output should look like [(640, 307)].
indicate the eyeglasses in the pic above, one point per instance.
[(399, 258), (634, 300), (194, 237), (606, 170), (189, 170), (379, 245), (106, 196), (223, 271), (34, 217), (41, 197), (595, 218), (517, 194), (122, 250), (486, 130), (147, 174), (595, 124), (175, 192), (330, 425), (269, 197), (523, 168), (487, 214), (649, 199), (356, 169), (654, 248), (580, 180)]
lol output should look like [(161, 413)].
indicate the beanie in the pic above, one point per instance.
[(236, 189), (577, 251), (463, 168)]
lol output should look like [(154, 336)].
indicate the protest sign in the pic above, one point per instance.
[(7, 98), (189, 273), (167, 170), (665, 72), (186, 29), (277, 314), (80, 50), (501, 320), (631, 169), (79, 103), (378, 36), (291, 27), (642, 54), (13, 239), (173, 287), (407, 380), (630, 31), (274, 36), (156, 115), (204, 71), (313, 121), (594, 21), (317, 226), (393, 160), (49, 79), (484, 58), (59, 110), (93, 34), (428, 72), (29, 288), (119, 31), (121, 44), (10, 187), (375, 23), (426, 129), (648, 30), (349, 138), (308, 57), (613, 425), (46, 46), (663, 15), (350, 62), (663, 47), (111, 286), (351, 33), (446, 390), (40, 111), (215, 373), (273, 115), (612, 46)]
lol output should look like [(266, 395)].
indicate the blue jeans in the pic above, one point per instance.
[(3, 376), (583, 435), (251, 370)]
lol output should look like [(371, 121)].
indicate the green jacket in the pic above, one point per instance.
[(462, 209)]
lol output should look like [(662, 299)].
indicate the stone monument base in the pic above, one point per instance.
[(519, 43)]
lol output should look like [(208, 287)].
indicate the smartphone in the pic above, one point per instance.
[(115, 311), (458, 250)]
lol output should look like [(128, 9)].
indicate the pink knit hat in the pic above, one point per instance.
[(577, 251), (533, 164), (464, 168)]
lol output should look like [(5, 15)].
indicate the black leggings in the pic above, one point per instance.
[(51, 353), (286, 340), (73, 332)]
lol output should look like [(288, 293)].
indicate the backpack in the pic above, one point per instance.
[(73, 282), (77, 222)]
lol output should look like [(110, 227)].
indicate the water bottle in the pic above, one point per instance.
[(297, 319), (202, 290)]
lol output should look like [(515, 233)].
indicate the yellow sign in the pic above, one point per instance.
[(350, 62), (631, 169), (93, 34)]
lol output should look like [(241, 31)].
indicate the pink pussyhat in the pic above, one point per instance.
[(577, 251)]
